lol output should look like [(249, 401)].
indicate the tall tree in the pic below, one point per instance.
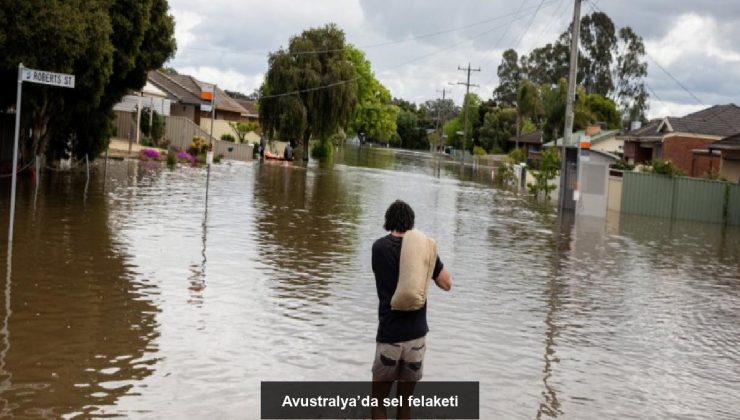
[(98, 41), (599, 43), (375, 114), (509, 77), (499, 125), (528, 104), (603, 110), (630, 73), (309, 95)]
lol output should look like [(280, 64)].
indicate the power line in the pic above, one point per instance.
[(369, 46), (716, 113), (393, 67)]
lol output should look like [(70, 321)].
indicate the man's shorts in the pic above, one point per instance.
[(402, 361)]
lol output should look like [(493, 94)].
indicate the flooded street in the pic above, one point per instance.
[(136, 299)]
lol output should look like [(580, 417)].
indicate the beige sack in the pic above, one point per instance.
[(418, 256)]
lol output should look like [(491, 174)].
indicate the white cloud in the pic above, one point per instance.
[(226, 79), (660, 109), (228, 41), (693, 36)]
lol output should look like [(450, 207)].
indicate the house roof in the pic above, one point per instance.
[(534, 137), (250, 106), (186, 89), (727, 143), (718, 120), (595, 139)]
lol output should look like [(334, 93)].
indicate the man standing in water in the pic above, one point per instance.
[(400, 342)]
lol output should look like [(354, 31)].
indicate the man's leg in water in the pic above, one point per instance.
[(381, 389), (405, 390)]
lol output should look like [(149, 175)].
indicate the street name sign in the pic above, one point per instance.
[(48, 78)]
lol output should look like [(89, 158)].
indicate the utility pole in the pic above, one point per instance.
[(439, 117), (570, 99), (465, 108)]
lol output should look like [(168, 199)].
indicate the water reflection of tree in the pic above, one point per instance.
[(306, 223), (80, 327)]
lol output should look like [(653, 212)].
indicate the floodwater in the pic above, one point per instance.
[(130, 299)]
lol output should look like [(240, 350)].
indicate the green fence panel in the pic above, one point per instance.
[(733, 205), (699, 199), (647, 194)]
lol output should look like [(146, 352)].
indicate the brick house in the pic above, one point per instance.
[(676, 139), (728, 150)]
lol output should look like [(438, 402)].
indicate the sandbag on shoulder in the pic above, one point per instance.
[(416, 266)]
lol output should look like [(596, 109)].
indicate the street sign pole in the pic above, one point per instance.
[(32, 76), (15, 151)]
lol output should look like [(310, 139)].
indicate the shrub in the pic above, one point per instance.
[(496, 150), (477, 150), (622, 165), (505, 173), (198, 146), (147, 141), (321, 149), (549, 166), (518, 155), (664, 167), (218, 157), (150, 154), (171, 158), (228, 137)]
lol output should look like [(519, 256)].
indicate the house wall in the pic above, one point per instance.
[(183, 110), (636, 154), (730, 165), (679, 150), (702, 164), (610, 145)]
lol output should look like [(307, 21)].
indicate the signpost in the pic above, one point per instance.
[(30, 76)]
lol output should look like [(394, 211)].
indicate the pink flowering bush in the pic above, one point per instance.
[(150, 154)]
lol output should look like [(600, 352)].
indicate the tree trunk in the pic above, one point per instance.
[(306, 138)]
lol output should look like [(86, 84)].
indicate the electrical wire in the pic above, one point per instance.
[(369, 46), (481, 34)]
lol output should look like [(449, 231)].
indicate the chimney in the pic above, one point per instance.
[(635, 125)]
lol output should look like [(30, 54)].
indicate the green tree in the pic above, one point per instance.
[(509, 78), (454, 128), (499, 125), (599, 43), (548, 168), (630, 72), (241, 129), (155, 127), (98, 41), (528, 104), (411, 134), (309, 95), (375, 114), (603, 110)]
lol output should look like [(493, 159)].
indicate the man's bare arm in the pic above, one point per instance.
[(444, 280)]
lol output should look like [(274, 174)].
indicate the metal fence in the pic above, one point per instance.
[(180, 132), (125, 125), (681, 198)]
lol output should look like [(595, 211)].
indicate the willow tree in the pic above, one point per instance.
[(310, 89)]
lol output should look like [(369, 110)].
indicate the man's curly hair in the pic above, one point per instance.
[(399, 217)]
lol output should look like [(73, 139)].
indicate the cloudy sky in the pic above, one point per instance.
[(415, 46)]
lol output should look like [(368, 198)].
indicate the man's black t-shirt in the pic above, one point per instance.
[(395, 326)]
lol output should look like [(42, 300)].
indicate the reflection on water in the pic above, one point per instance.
[(140, 299), (79, 329)]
